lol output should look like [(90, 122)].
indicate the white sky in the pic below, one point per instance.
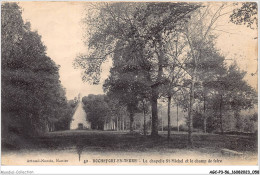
[(59, 24)]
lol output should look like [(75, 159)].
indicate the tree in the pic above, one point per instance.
[(175, 72), (118, 113), (246, 14), (237, 94), (144, 105), (32, 96), (102, 111), (142, 27), (65, 116), (97, 110), (126, 89), (198, 34), (211, 66), (225, 91)]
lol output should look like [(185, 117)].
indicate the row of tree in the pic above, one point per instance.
[(164, 51), (33, 99), (104, 113)]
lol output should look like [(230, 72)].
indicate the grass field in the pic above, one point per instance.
[(113, 140), (113, 144)]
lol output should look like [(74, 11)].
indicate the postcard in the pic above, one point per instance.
[(129, 83)]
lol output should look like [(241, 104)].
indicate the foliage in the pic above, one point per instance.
[(246, 14), (32, 96), (165, 49), (97, 110), (126, 86), (217, 88), (139, 29)]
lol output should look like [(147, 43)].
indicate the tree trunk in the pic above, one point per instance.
[(131, 116), (117, 123), (237, 120), (178, 118), (120, 123), (169, 117), (154, 87), (123, 123), (190, 117), (162, 119), (144, 119), (205, 124), (47, 127), (220, 115), (205, 117), (154, 98)]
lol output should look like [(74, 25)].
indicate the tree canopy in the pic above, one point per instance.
[(33, 98), (139, 28), (163, 50), (246, 14)]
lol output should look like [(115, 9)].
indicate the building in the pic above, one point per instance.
[(79, 119)]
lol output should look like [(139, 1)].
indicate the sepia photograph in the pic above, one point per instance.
[(129, 83)]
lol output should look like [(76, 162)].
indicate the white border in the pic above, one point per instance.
[(123, 169), (127, 169)]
